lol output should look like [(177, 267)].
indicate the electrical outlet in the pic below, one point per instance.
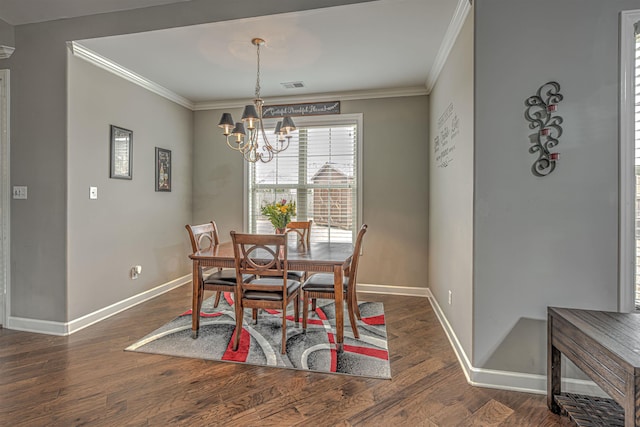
[(19, 192), (135, 271), (450, 297), (93, 192)]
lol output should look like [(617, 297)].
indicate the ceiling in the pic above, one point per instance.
[(372, 46)]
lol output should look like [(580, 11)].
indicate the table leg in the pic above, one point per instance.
[(339, 293), (195, 314), (554, 370), (632, 404)]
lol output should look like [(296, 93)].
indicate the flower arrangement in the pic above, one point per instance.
[(280, 212)]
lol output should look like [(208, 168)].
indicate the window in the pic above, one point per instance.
[(629, 276), (320, 171)]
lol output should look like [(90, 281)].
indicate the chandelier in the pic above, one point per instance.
[(248, 144)]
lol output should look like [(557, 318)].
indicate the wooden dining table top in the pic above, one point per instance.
[(318, 257)]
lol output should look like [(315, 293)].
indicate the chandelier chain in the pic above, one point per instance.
[(258, 73)]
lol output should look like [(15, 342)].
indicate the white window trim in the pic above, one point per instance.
[(334, 119), (5, 202), (626, 274)]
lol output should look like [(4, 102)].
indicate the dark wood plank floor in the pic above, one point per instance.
[(87, 379)]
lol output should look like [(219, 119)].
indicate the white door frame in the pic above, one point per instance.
[(5, 200), (627, 250)]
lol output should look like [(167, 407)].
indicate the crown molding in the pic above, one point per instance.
[(325, 97), (100, 61), (462, 10), (80, 51), (6, 51)]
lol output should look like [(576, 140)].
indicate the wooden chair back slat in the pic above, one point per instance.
[(203, 236), (352, 271), (302, 229), (260, 254)]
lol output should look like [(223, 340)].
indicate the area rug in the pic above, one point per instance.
[(313, 350)]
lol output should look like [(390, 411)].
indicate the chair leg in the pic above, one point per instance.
[(196, 315), (352, 318), (284, 328), (217, 301), (305, 310), (200, 298), (254, 315), (313, 304), (296, 309), (356, 308), (238, 331)]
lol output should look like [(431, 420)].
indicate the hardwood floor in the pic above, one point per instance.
[(86, 379)]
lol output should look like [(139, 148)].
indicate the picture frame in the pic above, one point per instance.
[(163, 169), (121, 158)]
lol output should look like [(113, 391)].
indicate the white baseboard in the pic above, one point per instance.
[(506, 380), (67, 328), (394, 290)]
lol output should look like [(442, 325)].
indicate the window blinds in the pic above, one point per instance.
[(319, 172)]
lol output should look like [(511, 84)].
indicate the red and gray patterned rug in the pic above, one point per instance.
[(313, 350)]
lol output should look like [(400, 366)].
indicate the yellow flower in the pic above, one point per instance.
[(280, 212)]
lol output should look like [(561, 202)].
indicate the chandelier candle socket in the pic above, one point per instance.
[(248, 144)]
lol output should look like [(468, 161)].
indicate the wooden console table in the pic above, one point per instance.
[(606, 347)]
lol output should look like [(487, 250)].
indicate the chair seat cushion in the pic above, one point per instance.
[(295, 275), (256, 293), (225, 277), (322, 282)]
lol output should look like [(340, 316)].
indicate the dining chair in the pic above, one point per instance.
[(264, 256), (303, 231), (203, 237), (320, 285)]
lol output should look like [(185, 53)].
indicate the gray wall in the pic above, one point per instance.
[(218, 175), (39, 135), (395, 187), (7, 35), (130, 223), (451, 187), (550, 241)]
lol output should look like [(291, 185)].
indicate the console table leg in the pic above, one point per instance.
[(554, 370), (632, 406)]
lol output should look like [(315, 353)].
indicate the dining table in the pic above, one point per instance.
[(317, 257)]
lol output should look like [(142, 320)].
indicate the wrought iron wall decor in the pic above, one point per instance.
[(540, 114)]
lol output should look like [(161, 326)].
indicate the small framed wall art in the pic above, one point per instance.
[(121, 153), (163, 169)]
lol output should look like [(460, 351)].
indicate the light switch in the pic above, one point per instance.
[(19, 192), (93, 192)]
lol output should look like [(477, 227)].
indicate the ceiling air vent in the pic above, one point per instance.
[(292, 85)]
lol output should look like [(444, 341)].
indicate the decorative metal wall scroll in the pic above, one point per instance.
[(540, 114)]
